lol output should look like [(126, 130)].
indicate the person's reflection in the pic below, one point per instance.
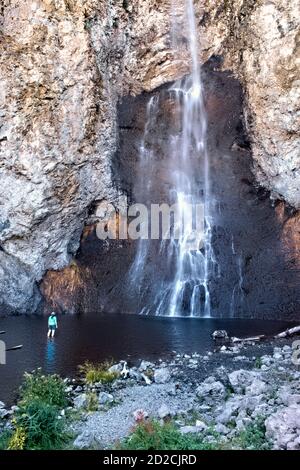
[(50, 355)]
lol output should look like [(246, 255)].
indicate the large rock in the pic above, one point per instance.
[(211, 391), (229, 410), (257, 387), (220, 334), (283, 428), (241, 379)]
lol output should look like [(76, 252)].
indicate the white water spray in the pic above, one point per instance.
[(189, 258)]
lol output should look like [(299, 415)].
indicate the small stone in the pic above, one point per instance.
[(105, 398), (162, 376), (193, 361), (146, 379), (4, 413), (80, 401), (85, 440), (163, 411), (222, 429), (200, 425), (190, 429), (116, 368), (145, 365)]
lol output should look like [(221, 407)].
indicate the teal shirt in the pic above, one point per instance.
[(52, 321)]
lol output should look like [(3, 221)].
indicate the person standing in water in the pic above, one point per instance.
[(52, 325)]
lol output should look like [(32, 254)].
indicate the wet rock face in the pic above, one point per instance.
[(255, 242), (64, 63)]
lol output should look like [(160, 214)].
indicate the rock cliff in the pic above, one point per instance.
[(65, 63)]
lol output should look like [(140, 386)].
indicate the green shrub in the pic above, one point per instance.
[(92, 402), (258, 363), (37, 423), (49, 389), (253, 437), (42, 425), (97, 373), (151, 435), (5, 438)]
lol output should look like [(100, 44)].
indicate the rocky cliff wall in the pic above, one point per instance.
[(65, 63)]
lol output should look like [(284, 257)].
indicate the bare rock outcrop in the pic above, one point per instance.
[(64, 63)]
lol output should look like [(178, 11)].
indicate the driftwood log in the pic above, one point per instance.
[(252, 338), (289, 332)]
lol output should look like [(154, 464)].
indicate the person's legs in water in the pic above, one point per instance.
[(51, 332)]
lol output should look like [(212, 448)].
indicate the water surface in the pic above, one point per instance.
[(100, 337)]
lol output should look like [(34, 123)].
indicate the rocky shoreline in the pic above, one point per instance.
[(228, 397)]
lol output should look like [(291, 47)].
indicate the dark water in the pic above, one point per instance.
[(100, 337)]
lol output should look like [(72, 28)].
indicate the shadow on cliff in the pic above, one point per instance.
[(256, 240)]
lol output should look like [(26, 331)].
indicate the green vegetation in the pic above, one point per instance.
[(38, 423), (229, 392), (94, 373), (92, 402), (253, 438), (4, 439), (41, 425), (151, 434), (258, 363), (49, 389)]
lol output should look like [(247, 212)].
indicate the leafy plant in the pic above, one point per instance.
[(97, 373), (92, 402), (5, 437), (49, 389), (18, 439), (253, 437), (258, 363), (38, 423), (151, 435), (43, 426)]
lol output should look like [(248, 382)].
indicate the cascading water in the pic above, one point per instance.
[(189, 258)]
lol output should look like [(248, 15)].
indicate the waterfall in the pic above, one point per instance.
[(189, 258)]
